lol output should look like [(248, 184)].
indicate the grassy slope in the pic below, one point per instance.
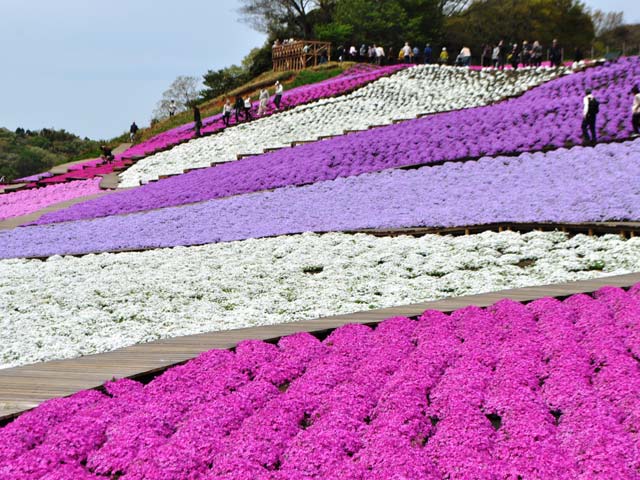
[(289, 79)]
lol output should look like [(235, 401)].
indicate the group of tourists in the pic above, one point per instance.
[(525, 54)]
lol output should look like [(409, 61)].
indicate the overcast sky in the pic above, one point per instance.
[(93, 66)]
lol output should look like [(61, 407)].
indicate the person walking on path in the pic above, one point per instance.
[(555, 54), (428, 54), (590, 110), (278, 98), (197, 119), (226, 112), (380, 55), (264, 99), (536, 54), (514, 57), (133, 130), (635, 111), (498, 55), (247, 108), (444, 56), (238, 105), (406, 52)]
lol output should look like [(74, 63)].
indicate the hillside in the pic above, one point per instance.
[(26, 152)]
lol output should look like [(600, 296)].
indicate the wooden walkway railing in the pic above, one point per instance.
[(23, 388), (299, 55)]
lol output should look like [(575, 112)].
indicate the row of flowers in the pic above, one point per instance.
[(96, 303), (24, 202), (419, 90), (542, 391), (563, 186), (547, 116)]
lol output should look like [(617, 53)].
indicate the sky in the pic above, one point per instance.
[(94, 66)]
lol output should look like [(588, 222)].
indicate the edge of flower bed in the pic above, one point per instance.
[(23, 388)]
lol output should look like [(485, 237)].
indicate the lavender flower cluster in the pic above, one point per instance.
[(547, 116), (540, 391), (576, 185)]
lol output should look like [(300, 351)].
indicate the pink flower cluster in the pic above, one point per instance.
[(24, 202), (546, 390)]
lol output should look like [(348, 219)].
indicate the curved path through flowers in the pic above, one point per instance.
[(23, 388)]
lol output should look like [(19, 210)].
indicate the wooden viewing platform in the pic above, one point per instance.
[(23, 388), (299, 55)]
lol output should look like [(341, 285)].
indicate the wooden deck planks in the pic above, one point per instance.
[(25, 387)]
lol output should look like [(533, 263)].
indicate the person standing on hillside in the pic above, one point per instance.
[(172, 108), (514, 57), (555, 54), (238, 105), (590, 110), (264, 99), (498, 55), (536, 54), (635, 110), (226, 112), (406, 52), (380, 55), (133, 130), (444, 56), (247, 108), (278, 98), (197, 120), (428, 54)]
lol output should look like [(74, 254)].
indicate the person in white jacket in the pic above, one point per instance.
[(590, 111), (278, 98), (264, 99), (635, 110)]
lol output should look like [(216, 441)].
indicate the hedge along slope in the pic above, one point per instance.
[(543, 391), (418, 90), (547, 116)]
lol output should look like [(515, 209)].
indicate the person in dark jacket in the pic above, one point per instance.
[(590, 111), (107, 154), (197, 119), (238, 105), (428, 54), (555, 54), (133, 130), (514, 56)]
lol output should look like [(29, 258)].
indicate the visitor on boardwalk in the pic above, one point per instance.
[(197, 119), (464, 57), (238, 105), (226, 111), (247, 108), (536, 54), (590, 110), (278, 97), (498, 55), (264, 99), (486, 59), (380, 55), (555, 54), (406, 52), (444, 56), (133, 130), (635, 110), (514, 56), (428, 54), (525, 54)]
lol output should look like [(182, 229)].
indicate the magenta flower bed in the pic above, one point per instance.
[(548, 116), (23, 202), (542, 391)]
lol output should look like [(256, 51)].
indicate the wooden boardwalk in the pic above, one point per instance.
[(23, 388)]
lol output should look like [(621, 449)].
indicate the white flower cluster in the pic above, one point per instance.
[(75, 306), (418, 90)]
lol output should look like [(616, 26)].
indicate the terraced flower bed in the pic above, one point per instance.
[(540, 391), (23, 202), (418, 90), (564, 186), (97, 303)]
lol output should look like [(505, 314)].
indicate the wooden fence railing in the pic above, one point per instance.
[(300, 54)]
